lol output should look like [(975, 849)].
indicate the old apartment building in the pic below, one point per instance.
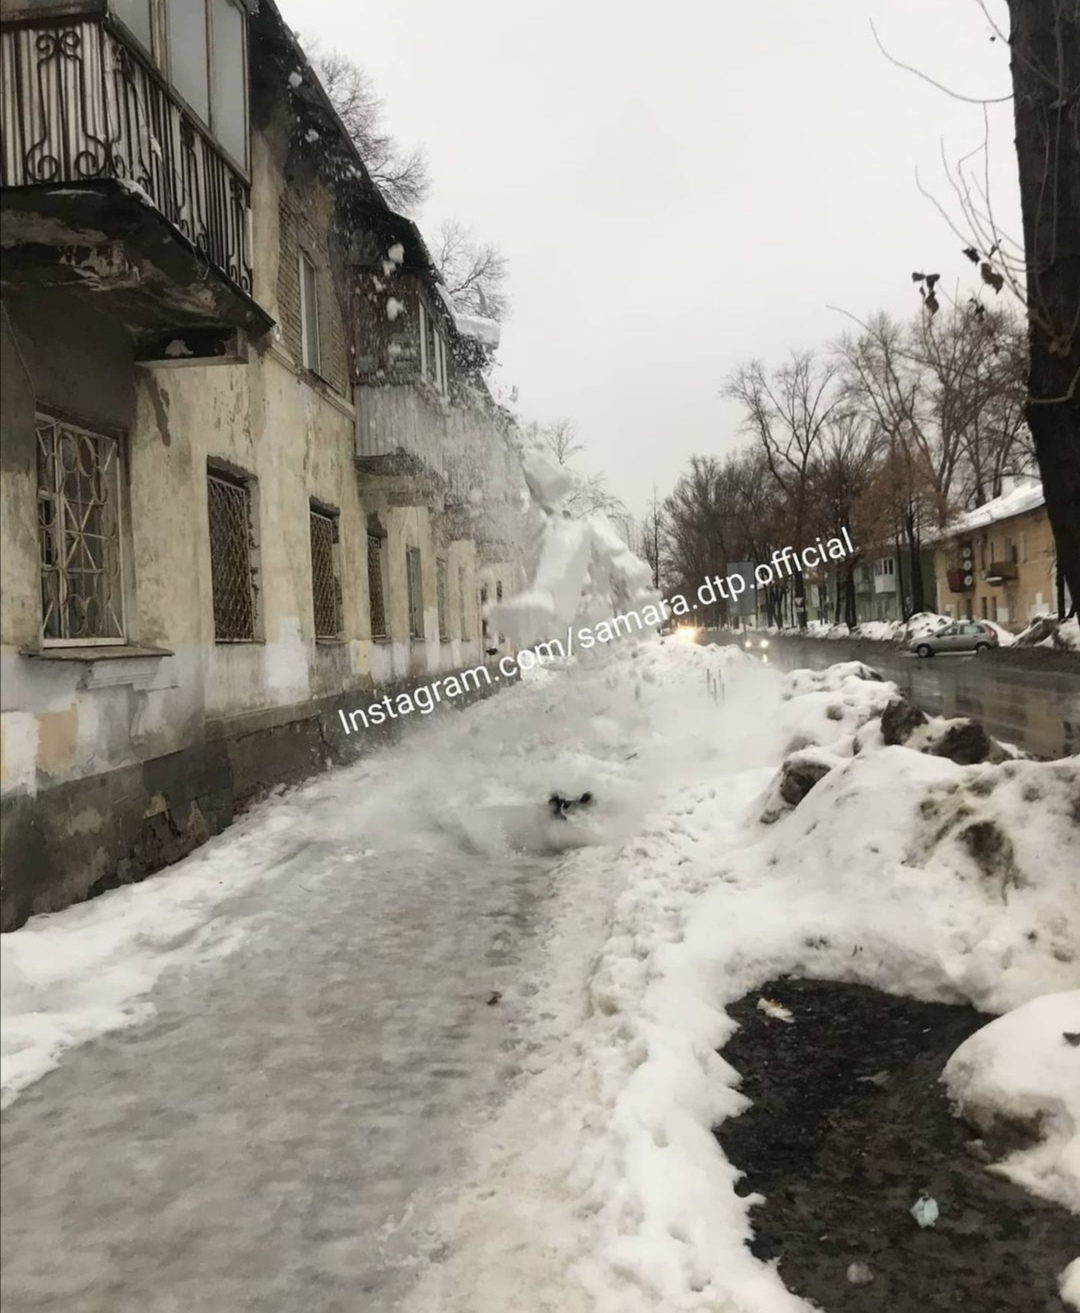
[(250, 465), (998, 561)]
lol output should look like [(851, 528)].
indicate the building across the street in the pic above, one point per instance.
[(998, 562), (250, 464)]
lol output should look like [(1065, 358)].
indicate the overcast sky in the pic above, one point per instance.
[(683, 185)]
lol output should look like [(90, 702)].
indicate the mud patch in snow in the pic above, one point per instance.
[(850, 1124)]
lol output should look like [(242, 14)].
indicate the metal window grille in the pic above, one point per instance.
[(416, 596), (375, 585), (79, 534), (325, 582), (231, 547), (309, 314), (442, 591)]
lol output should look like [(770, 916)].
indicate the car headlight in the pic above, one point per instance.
[(764, 643)]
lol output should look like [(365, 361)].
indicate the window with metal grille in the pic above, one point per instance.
[(416, 594), (79, 534), (232, 547), (309, 314), (376, 592), (442, 593), (325, 575)]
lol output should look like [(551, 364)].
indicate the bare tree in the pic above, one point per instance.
[(787, 411), (592, 496), (653, 532), (474, 272), (400, 174), (559, 438)]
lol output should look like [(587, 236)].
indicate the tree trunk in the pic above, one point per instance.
[(799, 600), (849, 596), (918, 595), (1045, 42), (901, 597)]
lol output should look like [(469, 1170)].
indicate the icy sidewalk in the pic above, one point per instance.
[(317, 1048)]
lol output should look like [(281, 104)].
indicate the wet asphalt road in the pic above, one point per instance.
[(1037, 710)]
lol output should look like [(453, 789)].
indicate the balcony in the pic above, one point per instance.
[(111, 186), (1000, 572)]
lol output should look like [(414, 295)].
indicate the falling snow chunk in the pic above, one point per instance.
[(925, 1210), (860, 1274), (396, 253), (311, 135), (295, 79), (178, 347), (394, 307), (775, 1010)]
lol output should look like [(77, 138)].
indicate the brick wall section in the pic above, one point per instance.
[(306, 216)]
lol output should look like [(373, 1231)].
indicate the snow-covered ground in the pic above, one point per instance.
[(334, 954)]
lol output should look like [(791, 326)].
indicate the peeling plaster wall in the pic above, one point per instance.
[(110, 769)]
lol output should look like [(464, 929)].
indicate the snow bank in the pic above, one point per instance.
[(73, 975), (1021, 1074), (1047, 631), (897, 870)]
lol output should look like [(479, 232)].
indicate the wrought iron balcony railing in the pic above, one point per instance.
[(80, 104)]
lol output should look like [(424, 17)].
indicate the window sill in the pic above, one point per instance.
[(94, 652), (383, 639), (330, 642), (115, 666)]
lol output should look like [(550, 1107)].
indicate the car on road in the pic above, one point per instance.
[(960, 636)]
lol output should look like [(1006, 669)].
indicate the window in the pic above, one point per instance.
[(135, 15), (416, 595), (432, 352), (325, 574), (228, 90), (189, 53), (309, 314), (993, 608), (232, 557), (485, 628), (201, 46), (441, 586), (376, 564), (79, 487)]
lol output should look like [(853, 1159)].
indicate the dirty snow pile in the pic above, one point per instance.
[(899, 870), (1047, 631), (895, 868)]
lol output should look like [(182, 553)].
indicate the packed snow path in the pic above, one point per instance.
[(277, 1077), (268, 1140)]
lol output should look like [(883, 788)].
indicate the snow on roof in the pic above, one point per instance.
[(1026, 496), (484, 331)]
